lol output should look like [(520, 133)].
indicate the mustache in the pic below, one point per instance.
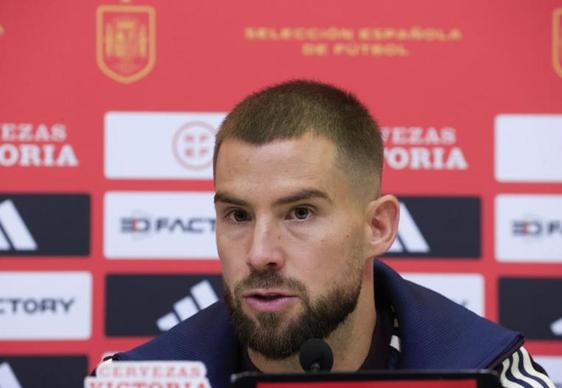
[(269, 278)]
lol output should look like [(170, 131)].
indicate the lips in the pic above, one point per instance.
[(268, 300)]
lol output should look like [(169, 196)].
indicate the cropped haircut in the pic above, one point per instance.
[(294, 108)]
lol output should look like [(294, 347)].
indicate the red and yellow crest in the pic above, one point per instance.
[(557, 41), (126, 41)]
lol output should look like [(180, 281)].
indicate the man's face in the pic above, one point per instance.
[(291, 236)]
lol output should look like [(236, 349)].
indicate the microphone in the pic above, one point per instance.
[(315, 355)]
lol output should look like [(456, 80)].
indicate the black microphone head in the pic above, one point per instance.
[(316, 355)]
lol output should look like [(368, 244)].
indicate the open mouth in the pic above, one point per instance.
[(267, 297), (268, 300)]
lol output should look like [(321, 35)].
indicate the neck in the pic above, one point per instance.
[(350, 342)]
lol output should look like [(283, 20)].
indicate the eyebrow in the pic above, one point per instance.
[(296, 197), (303, 195), (223, 197)]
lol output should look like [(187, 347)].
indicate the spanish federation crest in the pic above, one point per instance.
[(557, 41), (126, 41)]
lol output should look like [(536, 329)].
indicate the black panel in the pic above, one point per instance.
[(532, 306), (59, 224), (48, 371), (134, 303), (450, 226)]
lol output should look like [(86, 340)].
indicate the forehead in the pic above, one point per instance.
[(278, 168)]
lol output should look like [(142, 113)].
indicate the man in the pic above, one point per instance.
[(297, 171)]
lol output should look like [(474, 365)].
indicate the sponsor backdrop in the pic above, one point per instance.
[(108, 112)]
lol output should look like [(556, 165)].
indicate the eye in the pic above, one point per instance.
[(300, 213), (238, 215)]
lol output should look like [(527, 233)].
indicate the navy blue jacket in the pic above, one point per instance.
[(435, 333)]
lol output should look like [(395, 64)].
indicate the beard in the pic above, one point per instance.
[(277, 335)]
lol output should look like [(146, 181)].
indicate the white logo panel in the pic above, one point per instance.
[(529, 228), (159, 225), (464, 289), (45, 305), (528, 148), (156, 145)]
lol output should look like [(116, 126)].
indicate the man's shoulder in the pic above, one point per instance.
[(207, 336), (438, 333)]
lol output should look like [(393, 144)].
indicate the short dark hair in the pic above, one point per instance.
[(294, 108)]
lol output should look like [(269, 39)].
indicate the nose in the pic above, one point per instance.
[(265, 250)]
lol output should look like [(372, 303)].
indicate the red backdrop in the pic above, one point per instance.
[(432, 64)]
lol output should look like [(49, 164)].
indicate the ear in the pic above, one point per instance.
[(383, 215)]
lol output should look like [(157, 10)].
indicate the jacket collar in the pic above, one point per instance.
[(436, 333)]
